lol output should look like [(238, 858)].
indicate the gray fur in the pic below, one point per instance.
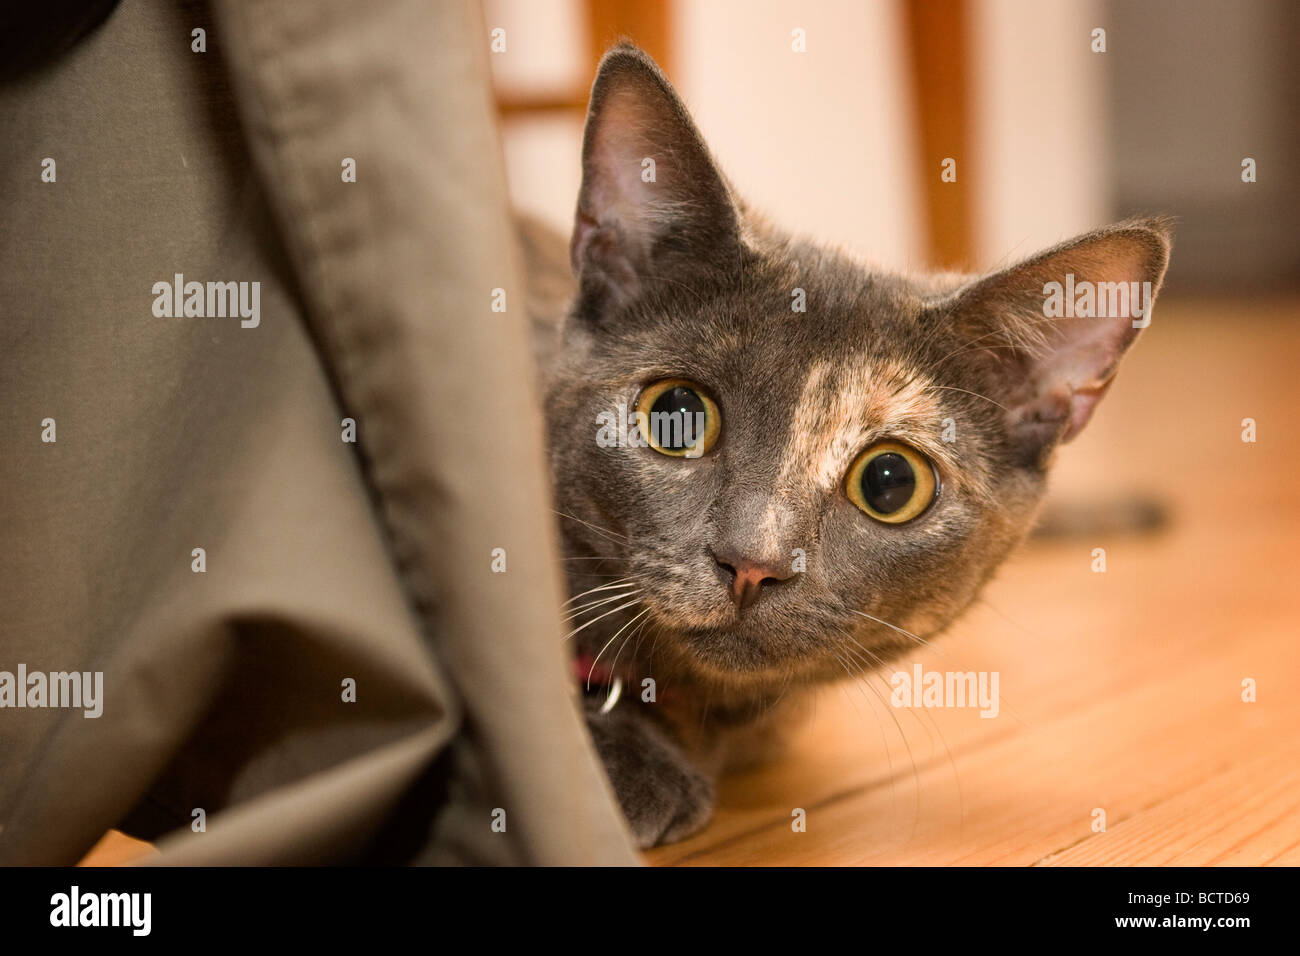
[(677, 279)]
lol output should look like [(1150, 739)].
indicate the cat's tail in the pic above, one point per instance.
[(1079, 518)]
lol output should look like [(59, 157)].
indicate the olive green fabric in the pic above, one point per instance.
[(325, 561)]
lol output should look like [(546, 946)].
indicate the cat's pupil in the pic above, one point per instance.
[(682, 401), (888, 483)]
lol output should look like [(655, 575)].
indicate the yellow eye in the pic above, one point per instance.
[(677, 418), (891, 482)]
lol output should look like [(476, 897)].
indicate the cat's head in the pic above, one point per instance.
[(873, 445)]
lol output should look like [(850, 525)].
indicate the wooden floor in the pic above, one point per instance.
[(1120, 692)]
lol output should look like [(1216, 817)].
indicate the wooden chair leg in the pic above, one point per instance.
[(938, 35)]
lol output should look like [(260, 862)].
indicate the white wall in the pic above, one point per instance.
[(546, 54), (1040, 131), (820, 140), (823, 141)]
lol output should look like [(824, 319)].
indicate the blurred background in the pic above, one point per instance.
[(845, 140)]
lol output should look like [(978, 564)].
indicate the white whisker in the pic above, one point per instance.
[(611, 641), (893, 627), (622, 582), (601, 617), (576, 612), (588, 524)]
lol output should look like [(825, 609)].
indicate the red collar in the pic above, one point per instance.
[(589, 673), (594, 677)]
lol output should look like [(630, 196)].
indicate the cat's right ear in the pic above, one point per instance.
[(1049, 333), (653, 206)]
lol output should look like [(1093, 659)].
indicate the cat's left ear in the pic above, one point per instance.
[(1049, 333), (653, 206)]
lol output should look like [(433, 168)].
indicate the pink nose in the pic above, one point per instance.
[(747, 579)]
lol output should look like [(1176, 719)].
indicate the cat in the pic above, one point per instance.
[(861, 468)]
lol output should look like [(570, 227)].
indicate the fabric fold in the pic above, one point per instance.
[(275, 536)]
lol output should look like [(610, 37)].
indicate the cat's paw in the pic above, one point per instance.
[(663, 796)]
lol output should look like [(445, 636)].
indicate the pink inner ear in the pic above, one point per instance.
[(1082, 363), (615, 197), (625, 212), (1075, 361), (1082, 402)]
